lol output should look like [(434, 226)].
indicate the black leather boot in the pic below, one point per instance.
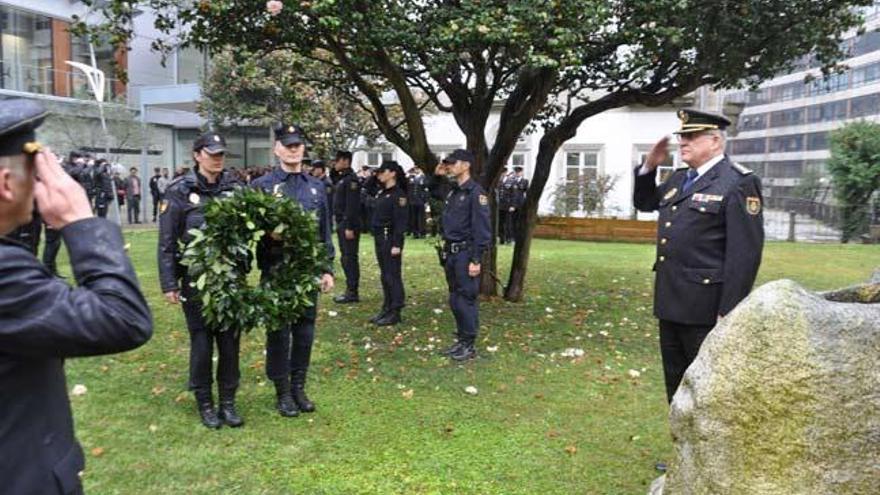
[(378, 316), (347, 298), (392, 317), (452, 349), (284, 400), (464, 352), (227, 412), (298, 389), (205, 404)]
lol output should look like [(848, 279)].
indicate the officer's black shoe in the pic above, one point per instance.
[(209, 415), (346, 298), (229, 415), (298, 389), (452, 349), (286, 407), (464, 352), (660, 466), (378, 316), (391, 318)]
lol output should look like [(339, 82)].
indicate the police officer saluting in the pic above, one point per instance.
[(467, 233), (289, 349), (710, 236), (181, 211), (389, 225), (348, 213), (43, 320)]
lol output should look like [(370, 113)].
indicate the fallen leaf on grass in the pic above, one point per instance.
[(471, 390), (571, 450), (408, 394), (97, 451), (78, 390)]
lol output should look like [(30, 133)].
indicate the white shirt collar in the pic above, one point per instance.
[(702, 169)]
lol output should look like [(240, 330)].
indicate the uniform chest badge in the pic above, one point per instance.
[(753, 205), (314, 191), (401, 201), (671, 194), (462, 197), (354, 186), (484, 200), (276, 191), (163, 205), (194, 198)]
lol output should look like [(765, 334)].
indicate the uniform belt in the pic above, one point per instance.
[(455, 247)]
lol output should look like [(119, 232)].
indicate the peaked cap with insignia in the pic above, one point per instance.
[(289, 134), (211, 142), (698, 121), (19, 119)]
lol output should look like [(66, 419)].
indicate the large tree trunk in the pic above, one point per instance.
[(549, 145)]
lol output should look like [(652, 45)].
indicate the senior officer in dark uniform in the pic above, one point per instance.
[(348, 213), (467, 234), (181, 211), (710, 236), (43, 320), (389, 225), (289, 349)]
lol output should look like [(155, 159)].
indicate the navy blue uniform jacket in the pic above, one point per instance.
[(43, 321), (709, 240)]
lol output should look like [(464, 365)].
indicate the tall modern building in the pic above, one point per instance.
[(784, 127)]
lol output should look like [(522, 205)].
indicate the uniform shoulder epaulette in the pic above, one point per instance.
[(742, 169), (681, 167)]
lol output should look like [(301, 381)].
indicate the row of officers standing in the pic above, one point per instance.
[(339, 209)]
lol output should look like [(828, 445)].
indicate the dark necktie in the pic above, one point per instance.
[(689, 182)]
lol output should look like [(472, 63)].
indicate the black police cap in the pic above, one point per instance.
[(460, 154), (697, 121), (390, 165), (319, 164), (343, 155), (517, 169), (211, 142), (19, 119), (289, 134)]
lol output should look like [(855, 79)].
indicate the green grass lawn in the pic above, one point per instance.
[(393, 416)]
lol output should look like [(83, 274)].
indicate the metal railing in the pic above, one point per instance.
[(41, 80)]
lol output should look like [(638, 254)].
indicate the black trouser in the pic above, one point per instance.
[(504, 217), (390, 272), (417, 220), (50, 251), (679, 345), (348, 256), (134, 209), (289, 349), (156, 199), (101, 209), (202, 340), (463, 291)]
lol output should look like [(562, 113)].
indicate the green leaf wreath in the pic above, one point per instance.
[(219, 260)]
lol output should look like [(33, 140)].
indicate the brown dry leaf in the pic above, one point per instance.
[(408, 394), (97, 451), (181, 397), (571, 450), (158, 389), (105, 368), (520, 379), (539, 396), (552, 434)]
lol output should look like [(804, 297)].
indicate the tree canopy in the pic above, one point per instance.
[(855, 174)]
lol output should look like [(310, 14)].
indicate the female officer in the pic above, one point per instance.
[(389, 224), (181, 211)]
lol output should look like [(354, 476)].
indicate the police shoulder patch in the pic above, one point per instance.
[(742, 169), (753, 205), (484, 200), (401, 201)]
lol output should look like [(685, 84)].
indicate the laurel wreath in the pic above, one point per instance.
[(220, 255)]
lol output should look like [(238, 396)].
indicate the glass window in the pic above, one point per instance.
[(866, 43), (835, 110), (864, 105), (104, 58), (817, 141), (665, 169), (752, 122), (27, 51), (581, 168), (749, 146), (787, 143), (190, 65), (866, 74), (782, 118), (375, 158), (787, 169)]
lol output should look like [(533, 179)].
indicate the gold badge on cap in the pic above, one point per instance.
[(290, 129), (194, 198), (401, 201), (671, 194), (753, 205), (216, 138), (683, 116)]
